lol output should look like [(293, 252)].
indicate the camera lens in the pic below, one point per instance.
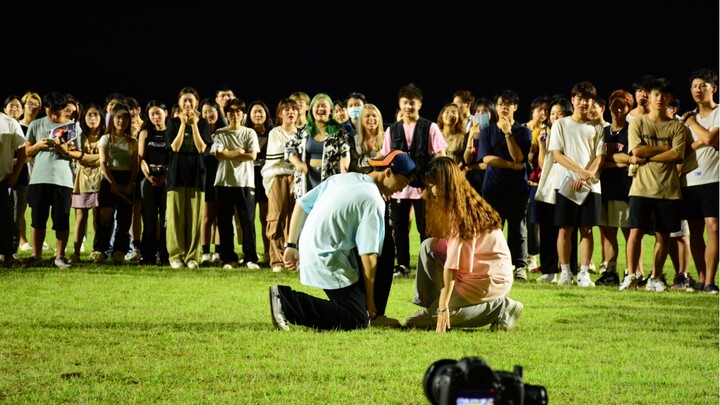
[(535, 394)]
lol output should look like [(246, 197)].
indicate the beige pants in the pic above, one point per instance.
[(184, 217), (281, 203)]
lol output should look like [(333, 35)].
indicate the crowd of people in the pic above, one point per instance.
[(179, 186)]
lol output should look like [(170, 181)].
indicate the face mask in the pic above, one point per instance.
[(354, 112)]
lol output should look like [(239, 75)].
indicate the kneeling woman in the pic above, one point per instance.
[(464, 272)]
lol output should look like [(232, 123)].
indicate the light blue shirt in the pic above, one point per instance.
[(346, 211)]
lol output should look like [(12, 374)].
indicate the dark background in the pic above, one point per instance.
[(269, 50)]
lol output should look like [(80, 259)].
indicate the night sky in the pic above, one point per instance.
[(267, 51)]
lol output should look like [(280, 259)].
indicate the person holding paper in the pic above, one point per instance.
[(51, 183), (578, 148)]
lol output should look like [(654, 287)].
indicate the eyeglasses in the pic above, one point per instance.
[(32, 105)]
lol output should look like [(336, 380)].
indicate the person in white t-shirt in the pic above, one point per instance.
[(700, 186), (236, 148), (12, 145), (578, 149)]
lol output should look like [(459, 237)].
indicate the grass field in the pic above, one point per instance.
[(132, 334)]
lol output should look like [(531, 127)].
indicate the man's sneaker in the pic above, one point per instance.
[(252, 265), (278, 268), (382, 321), (697, 286), (583, 279), (602, 268), (192, 264), (205, 259), (215, 259), (630, 282), (642, 280), (655, 284), (680, 282), (97, 257), (118, 258), (609, 278), (711, 289), (12, 262), (133, 256), (276, 312), (507, 320), (547, 278), (401, 271), (26, 247), (33, 261), (520, 273), (176, 264), (532, 264), (265, 259), (230, 265), (591, 268), (46, 247), (62, 263), (566, 278), (74, 258)]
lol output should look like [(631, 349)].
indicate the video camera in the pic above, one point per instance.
[(471, 381)]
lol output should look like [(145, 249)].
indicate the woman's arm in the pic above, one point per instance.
[(443, 312)]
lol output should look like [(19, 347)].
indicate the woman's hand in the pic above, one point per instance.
[(443, 320), (301, 167)]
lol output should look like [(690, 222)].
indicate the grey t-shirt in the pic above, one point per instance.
[(49, 166)]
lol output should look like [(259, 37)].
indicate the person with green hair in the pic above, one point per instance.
[(320, 149)]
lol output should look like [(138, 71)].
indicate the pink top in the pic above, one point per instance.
[(436, 143), (483, 267)]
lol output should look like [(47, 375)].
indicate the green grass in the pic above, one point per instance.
[(132, 334)]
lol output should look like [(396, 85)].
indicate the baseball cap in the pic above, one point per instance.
[(398, 161)]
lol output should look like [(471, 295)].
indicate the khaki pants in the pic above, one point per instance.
[(281, 203), (184, 217)]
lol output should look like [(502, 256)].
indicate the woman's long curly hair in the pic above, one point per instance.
[(455, 209)]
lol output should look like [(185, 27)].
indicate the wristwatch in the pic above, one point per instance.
[(291, 245)]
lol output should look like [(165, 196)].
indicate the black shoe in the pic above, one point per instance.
[(645, 280), (608, 277), (711, 289), (681, 282), (401, 272)]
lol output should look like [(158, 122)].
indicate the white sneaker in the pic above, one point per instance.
[(177, 264), (566, 278), (655, 284), (192, 264), (591, 268), (252, 265), (230, 265), (507, 321), (26, 247), (547, 278), (532, 264), (630, 282), (583, 280), (133, 256), (276, 312), (215, 259), (46, 246), (278, 269), (205, 259)]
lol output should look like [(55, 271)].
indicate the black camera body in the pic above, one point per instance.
[(471, 381)]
